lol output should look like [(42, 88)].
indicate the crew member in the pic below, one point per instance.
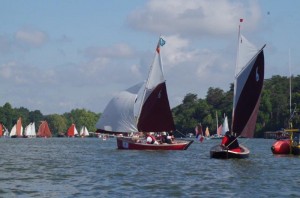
[(150, 139), (230, 142)]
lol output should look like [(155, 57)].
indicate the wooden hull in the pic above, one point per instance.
[(220, 153), (130, 144), (282, 146)]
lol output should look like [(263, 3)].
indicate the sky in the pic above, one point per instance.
[(56, 55)]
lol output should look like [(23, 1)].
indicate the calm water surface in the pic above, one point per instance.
[(91, 167)]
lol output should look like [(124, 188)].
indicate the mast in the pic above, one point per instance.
[(236, 66), (290, 81), (217, 121)]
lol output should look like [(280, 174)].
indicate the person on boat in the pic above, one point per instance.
[(163, 137), (171, 135), (150, 139), (230, 142)]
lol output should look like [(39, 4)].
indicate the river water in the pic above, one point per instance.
[(92, 167)]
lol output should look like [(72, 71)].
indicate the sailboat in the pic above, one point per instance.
[(30, 130), (17, 130), (72, 131), (225, 126), (5, 131), (218, 135), (1, 130), (44, 130), (207, 134), (142, 108), (249, 78), (84, 132)]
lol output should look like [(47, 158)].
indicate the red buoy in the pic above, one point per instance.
[(281, 146)]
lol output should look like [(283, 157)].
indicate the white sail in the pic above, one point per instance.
[(225, 127), (30, 130), (75, 131), (27, 130), (13, 131), (118, 115), (6, 133), (84, 131)]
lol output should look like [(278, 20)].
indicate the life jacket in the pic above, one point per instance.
[(153, 139)]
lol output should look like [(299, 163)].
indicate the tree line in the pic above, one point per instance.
[(274, 110), (58, 124)]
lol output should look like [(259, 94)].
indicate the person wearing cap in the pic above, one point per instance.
[(230, 142)]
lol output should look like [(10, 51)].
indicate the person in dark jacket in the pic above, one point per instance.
[(230, 142)]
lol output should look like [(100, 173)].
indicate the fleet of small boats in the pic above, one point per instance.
[(249, 78)]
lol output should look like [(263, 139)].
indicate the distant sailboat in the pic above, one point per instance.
[(199, 132), (249, 78), (30, 130), (17, 130), (207, 133), (225, 126), (1, 130), (84, 132), (72, 131), (44, 130), (5, 131)]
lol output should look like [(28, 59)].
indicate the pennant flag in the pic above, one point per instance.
[(161, 42), (241, 20)]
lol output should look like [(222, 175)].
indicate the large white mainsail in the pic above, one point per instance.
[(118, 116)]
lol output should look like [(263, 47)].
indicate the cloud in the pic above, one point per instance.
[(31, 37), (196, 18)]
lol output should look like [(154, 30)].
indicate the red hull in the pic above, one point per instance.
[(128, 143), (281, 147)]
